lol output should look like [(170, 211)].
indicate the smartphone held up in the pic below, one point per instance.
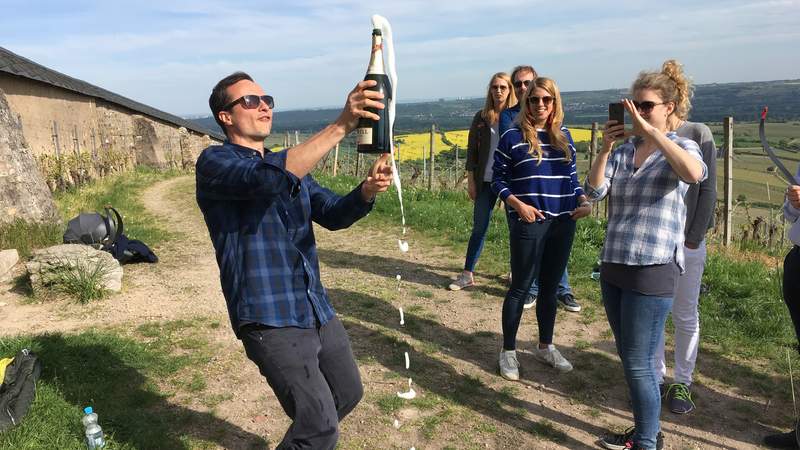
[(616, 111)]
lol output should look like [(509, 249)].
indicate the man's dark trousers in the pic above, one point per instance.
[(313, 374)]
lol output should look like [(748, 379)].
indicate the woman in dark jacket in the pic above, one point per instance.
[(483, 139)]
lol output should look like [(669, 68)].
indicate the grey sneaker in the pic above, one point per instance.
[(462, 282), (530, 301), (679, 398), (567, 301), (509, 366), (552, 357)]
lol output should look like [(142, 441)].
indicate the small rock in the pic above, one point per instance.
[(8, 259)]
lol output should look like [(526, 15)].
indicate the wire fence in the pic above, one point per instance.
[(737, 219)]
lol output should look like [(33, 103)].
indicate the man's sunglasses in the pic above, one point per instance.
[(251, 102), (546, 100), (646, 107), (518, 84)]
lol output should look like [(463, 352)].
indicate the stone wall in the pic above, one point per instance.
[(75, 137)]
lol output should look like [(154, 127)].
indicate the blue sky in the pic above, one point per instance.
[(309, 53)]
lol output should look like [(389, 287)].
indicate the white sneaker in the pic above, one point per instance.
[(462, 281), (552, 357), (509, 366)]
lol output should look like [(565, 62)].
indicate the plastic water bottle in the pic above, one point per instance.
[(596, 272), (94, 434)]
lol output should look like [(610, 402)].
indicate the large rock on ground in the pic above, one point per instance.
[(23, 191), (47, 265), (8, 259)]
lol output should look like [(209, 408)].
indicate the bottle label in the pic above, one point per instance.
[(364, 136)]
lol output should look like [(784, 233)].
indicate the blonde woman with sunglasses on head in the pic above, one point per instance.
[(535, 175), (482, 141), (646, 178)]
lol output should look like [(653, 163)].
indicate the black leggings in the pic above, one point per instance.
[(791, 287), (538, 250)]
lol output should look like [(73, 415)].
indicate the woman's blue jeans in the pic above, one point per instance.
[(481, 216), (637, 321), (538, 250)]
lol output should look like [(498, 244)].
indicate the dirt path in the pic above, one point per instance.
[(452, 337)]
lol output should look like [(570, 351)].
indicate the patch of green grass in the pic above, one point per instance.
[(119, 377), (421, 293), (197, 383), (26, 237), (477, 295), (390, 403), (122, 191), (485, 427), (428, 401), (581, 344), (213, 400), (432, 422), (545, 429), (81, 281)]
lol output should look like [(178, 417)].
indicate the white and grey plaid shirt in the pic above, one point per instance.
[(647, 215)]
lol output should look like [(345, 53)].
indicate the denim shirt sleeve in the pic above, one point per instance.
[(224, 174), (694, 150), (334, 211)]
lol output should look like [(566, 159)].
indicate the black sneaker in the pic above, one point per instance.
[(782, 440), (569, 303), (679, 398), (530, 301), (624, 441)]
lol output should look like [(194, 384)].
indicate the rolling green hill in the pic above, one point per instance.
[(711, 103)]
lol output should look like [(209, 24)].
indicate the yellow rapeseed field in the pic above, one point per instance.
[(411, 146)]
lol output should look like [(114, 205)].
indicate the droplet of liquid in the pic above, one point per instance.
[(403, 245)]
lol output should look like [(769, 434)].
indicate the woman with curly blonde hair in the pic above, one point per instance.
[(642, 258), (535, 175)]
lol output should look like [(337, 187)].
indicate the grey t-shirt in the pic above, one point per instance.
[(700, 199), (495, 139)]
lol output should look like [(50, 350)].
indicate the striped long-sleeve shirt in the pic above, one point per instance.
[(551, 186)]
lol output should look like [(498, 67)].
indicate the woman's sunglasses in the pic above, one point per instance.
[(251, 102), (546, 100), (647, 106)]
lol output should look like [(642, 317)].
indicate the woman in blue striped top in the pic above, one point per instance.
[(535, 175)]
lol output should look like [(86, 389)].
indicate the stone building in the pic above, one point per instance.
[(73, 131)]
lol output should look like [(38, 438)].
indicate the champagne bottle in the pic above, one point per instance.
[(372, 136)]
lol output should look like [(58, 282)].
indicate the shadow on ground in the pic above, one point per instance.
[(597, 381), (106, 372)]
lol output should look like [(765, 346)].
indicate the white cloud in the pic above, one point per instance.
[(310, 52)]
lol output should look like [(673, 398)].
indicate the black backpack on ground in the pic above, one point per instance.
[(127, 251), (19, 388), (105, 233)]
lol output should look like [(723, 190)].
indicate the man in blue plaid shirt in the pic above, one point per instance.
[(258, 206)]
